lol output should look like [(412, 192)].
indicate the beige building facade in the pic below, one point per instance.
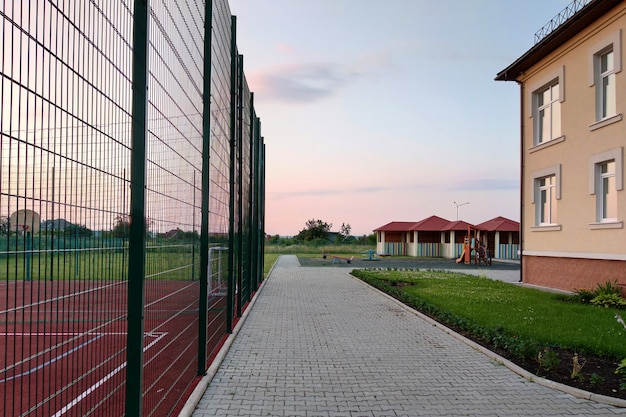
[(573, 134)]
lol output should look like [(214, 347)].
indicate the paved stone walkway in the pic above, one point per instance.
[(320, 343)]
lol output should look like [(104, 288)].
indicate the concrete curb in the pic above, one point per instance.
[(198, 392), (578, 393)]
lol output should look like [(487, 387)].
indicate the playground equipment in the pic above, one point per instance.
[(369, 255), (338, 259), (473, 248)]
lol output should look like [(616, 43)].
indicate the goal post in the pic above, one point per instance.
[(217, 271)]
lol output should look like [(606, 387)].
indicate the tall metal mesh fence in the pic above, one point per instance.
[(68, 169)]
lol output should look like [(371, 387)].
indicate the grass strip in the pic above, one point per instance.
[(519, 319)]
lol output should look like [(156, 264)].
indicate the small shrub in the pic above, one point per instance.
[(605, 295), (621, 371), (577, 366), (608, 288), (548, 359), (609, 300), (596, 379), (584, 295)]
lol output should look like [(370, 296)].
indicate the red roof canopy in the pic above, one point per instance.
[(500, 224), (432, 223), (461, 225), (438, 224), (395, 227)]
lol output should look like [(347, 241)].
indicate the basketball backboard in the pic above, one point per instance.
[(25, 220)]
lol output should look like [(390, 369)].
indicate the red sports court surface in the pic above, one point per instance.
[(64, 346)]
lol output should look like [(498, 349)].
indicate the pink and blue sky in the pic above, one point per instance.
[(379, 111)]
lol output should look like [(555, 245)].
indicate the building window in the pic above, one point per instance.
[(606, 194), (605, 85), (546, 193), (546, 199), (547, 95), (606, 62), (547, 113), (606, 180)]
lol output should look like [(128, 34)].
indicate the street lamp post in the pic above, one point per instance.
[(457, 208)]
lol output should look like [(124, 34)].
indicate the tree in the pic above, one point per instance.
[(274, 239), (4, 225), (314, 229), (121, 226), (368, 239), (345, 230), (77, 230)]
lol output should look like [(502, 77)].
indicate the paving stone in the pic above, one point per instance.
[(318, 342)]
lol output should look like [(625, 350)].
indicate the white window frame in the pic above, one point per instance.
[(552, 79), (537, 176), (603, 190), (611, 43), (546, 206), (596, 184), (552, 111), (605, 85)]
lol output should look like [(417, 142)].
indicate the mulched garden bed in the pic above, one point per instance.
[(597, 374)]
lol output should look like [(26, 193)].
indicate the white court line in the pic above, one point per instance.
[(110, 375), (66, 334), (51, 361), (62, 297), (40, 334)]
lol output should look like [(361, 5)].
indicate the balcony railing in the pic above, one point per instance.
[(561, 18)]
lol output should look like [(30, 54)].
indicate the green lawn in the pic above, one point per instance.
[(269, 260), (316, 250), (518, 318)]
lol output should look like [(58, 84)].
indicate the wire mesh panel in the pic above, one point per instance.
[(244, 190), (64, 146), (68, 160), (219, 170), (173, 196)]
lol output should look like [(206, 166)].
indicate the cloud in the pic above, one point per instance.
[(486, 184), (478, 184), (329, 192), (302, 83), (285, 48), (309, 82)]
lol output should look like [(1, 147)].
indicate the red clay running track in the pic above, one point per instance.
[(65, 346)]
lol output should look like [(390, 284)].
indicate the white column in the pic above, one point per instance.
[(451, 253), (496, 250)]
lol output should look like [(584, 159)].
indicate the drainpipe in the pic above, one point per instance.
[(521, 218)]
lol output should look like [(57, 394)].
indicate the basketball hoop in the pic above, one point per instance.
[(21, 228), (25, 221)]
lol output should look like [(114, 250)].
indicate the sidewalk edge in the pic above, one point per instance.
[(198, 392)]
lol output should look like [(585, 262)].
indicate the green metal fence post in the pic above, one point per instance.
[(240, 232), (262, 201), (252, 247), (258, 271), (231, 212), (206, 155), (137, 233)]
